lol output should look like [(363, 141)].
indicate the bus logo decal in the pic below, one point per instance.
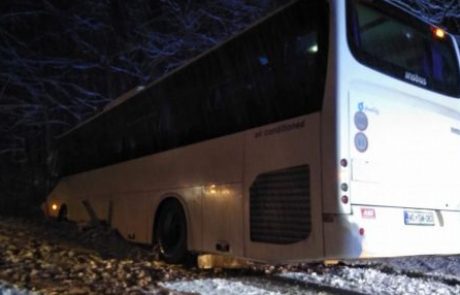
[(363, 108), (415, 78), (361, 121), (280, 128), (361, 142)]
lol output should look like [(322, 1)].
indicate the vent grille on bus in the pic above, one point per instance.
[(280, 206)]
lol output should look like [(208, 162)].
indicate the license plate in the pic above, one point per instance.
[(418, 218)]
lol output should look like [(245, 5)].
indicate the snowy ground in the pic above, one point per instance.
[(40, 257), (379, 277), (6, 289)]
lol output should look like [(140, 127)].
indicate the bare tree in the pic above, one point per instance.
[(62, 61), (434, 11)]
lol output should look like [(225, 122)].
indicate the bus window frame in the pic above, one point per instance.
[(394, 71), (166, 89)]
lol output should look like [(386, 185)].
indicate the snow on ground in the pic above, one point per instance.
[(42, 257), (434, 265), (334, 281), (240, 286), (6, 289), (371, 281), (409, 275)]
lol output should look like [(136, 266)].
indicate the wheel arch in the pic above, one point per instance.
[(63, 212), (167, 198)]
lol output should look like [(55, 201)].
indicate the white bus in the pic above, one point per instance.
[(457, 39), (327, 130)]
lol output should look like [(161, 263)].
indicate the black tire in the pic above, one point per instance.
[(171, 232), (62, 215)]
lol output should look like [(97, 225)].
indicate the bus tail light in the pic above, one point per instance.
[(361, 231), (344, 199), (439, 33)]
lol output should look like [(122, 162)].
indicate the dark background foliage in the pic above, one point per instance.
[(63, 61)]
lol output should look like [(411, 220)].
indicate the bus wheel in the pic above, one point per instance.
[(171, 232), (62, 215)]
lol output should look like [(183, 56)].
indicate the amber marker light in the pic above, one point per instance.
[(212, 189), (439, 33)]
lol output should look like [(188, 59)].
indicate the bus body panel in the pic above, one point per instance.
[(334, 112), (412, 153), (381, 232), (62, 195), (222, 219), (408, 166), (273, 148), (214, 208), (136, 188)]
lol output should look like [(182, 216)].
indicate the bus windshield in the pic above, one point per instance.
[(402, 46)]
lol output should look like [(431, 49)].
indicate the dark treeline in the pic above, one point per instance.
[(64, 61)]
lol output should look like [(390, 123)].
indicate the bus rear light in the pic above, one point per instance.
[(344, 199), (344, 187), (344, 163), (439, 33), (361, 231)]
